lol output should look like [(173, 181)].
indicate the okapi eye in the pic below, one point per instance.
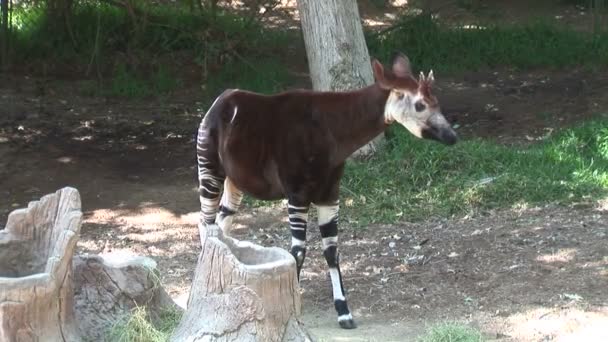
[(419, 106), (400, 96)]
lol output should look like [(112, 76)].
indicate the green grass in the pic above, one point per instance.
[(431, 45), (451, 332), (137, 327), (413, 179)]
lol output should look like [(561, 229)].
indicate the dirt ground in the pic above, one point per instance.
[(521, 274)]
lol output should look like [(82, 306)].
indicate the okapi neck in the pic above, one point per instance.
[(361, 122)]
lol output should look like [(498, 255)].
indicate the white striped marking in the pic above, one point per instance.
[(297, 242), (297, 208), (329, 241), (236, 108), (335, 284), (345, 317), (327, 213)]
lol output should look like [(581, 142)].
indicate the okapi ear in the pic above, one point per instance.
[(378, 70), (401, 65), (379, 76)]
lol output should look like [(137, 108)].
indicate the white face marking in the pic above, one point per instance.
[(403, 110), (335, 285)]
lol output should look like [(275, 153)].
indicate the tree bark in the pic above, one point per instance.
[(36, 290), (338, 58), (242, 292), (108, 287)]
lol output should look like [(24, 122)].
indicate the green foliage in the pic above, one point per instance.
[(414, 179), (129, 45), (130, 84), (451, 332), (431, 45), (588, 3), (156, 28), (137, 327), (264, 77)]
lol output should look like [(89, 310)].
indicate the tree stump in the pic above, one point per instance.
[(36, 249), (108, 287), (242, 292)]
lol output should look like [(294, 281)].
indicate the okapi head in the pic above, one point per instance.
[(411, 102)]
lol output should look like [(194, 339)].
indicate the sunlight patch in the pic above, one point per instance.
[(568, 324), (602, 204), (160, 234), (146, 216), (562, 255)]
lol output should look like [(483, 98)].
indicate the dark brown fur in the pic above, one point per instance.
[(293, 144)]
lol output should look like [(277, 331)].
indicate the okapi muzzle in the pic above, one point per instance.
[(439, 129)]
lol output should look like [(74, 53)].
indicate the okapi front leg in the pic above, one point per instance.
[(328, 226), (229, 205), (298, 219)]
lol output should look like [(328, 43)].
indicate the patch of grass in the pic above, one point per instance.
[(137, 327), (127, 83), (413, 179), (432, 45), (451, 332)]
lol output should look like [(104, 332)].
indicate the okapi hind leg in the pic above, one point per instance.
[(210, 180), (229, 205), (298, 220), (328, 226)]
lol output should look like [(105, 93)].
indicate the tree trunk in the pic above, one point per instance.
[(108, 287), (242, 292), (36, 249), (338, 58)]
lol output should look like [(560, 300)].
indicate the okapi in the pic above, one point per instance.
[(294, 145)]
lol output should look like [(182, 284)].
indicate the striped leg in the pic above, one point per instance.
[(210, 181), (229, 205), (298, 218), (328, 225)]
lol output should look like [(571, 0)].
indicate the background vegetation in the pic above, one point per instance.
[(136, 49)]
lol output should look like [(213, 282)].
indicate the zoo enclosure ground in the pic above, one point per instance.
[(518, 274)]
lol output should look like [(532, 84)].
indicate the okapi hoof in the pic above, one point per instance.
[(347, 324)]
